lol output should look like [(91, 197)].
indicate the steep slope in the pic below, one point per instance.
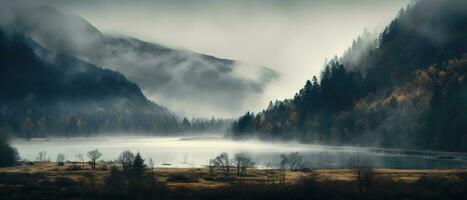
[(42, 92), (405, 90), (431, 32), (178, 79)]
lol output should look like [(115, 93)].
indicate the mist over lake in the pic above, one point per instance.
[(176, 99), (196, 151)]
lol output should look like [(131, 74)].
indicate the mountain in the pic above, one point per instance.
[(49, 93), (175, 78), (405, 89)]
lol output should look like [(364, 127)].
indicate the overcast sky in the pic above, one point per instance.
[(293, 37)]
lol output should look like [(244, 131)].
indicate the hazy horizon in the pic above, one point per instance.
[(233, 99), (293, 38)]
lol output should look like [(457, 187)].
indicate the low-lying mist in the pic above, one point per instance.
[(188, 83), (196, 151)]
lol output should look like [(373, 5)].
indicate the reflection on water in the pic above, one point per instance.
[(188, 152)]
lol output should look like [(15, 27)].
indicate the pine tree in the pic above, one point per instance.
[(186, 124), (138, 167)]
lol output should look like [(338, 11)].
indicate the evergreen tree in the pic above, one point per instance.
[(186, 124), (138, 167)]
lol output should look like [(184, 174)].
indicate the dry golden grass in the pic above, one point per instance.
[(201, 179)]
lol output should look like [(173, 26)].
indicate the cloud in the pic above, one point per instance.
[(191, 84), (291, 37)]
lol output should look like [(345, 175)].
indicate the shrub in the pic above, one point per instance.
[(8, 155), (181, 178)]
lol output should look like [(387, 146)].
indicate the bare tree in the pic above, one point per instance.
[(42, 156), (60, 159), (93, 156), (224, 163), (365, 175), (282, 175), (151, 165), (212, 166), (126, 159), (80, 158), (274, 175), (293, 161), (243, 162), (267, 172)]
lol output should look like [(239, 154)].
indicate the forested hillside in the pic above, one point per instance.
[(406, 89), (45, 93), (172, 77)]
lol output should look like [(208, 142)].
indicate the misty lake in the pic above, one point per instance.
[(196, 152)]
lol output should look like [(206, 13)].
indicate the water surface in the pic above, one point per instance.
[(196, 152)]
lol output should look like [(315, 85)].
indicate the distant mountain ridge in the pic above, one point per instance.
[(178, 79), (45, 93), (406, 89)]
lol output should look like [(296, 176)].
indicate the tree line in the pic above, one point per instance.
[(406, 90), (65, 96)]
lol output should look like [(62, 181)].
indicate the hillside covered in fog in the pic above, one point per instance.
[(47, 93), (405, 89), (188, 83)]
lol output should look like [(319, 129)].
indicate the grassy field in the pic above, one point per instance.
[(48, 181), (200, 178)]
